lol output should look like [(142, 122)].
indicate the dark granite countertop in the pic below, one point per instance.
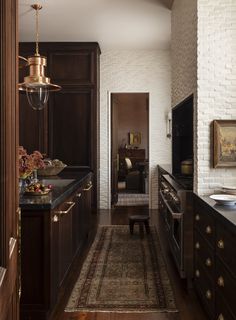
[(58, 193), (227, 213)]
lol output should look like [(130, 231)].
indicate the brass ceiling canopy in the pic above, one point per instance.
[(36, 83)]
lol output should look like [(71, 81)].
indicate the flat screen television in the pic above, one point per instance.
[(182, 133)]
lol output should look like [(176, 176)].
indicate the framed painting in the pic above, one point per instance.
[(224, 143), (135, 138)]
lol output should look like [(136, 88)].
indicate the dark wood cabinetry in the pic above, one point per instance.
[(214, 261), (51, 239), (67, 128)]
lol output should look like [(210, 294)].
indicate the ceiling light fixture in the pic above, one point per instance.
[(36, 84)]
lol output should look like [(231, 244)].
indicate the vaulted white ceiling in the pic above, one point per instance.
[(114, 24)]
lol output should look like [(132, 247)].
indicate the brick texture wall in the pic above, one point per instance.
[(135, 71), (216, 85), (203, 55), (183, 49), (184, 58)]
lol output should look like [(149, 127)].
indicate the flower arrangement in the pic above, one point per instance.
[(29, 162)]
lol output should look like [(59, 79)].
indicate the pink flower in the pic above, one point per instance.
[(28, 163)]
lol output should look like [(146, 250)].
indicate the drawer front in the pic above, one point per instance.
[(226, 285), (205, 288), (205, 223), (222, 310), (225, 247), (204, 254)]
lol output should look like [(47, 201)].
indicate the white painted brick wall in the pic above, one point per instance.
[(136, 71), (184, 58), (216, 85), (183, 49)]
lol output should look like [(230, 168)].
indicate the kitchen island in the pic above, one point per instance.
[(214, 257), (54, 229)]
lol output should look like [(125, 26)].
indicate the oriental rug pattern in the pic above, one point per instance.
[(123, 273)]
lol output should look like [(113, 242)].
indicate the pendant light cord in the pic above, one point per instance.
[(37, 32)]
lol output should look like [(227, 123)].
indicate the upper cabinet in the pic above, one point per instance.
[(67, 128)]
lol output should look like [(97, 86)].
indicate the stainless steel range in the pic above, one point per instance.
[(175, 207)]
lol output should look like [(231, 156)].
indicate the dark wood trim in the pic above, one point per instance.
[(8, 159)]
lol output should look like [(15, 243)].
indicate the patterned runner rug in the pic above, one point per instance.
[(123, 273)]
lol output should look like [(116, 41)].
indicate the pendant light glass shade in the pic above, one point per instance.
[(37, 97), (36, 84)]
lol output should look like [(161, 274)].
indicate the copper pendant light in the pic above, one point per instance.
[(36, 84)]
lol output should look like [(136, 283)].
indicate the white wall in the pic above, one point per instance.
[(184, 59), (183, 49), (203, 53), (135, 71), (216, 85)]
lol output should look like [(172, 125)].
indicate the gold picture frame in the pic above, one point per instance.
[(135, 138), (224, 143)]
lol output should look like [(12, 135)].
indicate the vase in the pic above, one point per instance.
[(22, 185), (34, 176)]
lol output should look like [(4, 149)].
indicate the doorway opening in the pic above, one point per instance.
[(129, 149)]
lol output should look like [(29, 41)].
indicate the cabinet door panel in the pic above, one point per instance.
[(70, 127), (33, 127), (70, 67), (65, 240)]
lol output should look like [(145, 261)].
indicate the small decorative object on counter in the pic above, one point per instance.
[(52, 167), (37, 189), (224, 199), (229, 189), (187, 167), (28, 165)]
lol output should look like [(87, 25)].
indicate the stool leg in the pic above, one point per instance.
[(147, 226), (131, 227)]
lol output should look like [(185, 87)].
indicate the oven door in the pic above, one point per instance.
[(176, 236)]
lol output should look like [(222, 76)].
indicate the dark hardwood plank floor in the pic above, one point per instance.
[(187, 303)]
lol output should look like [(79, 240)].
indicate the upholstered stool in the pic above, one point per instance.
[(141, 220)]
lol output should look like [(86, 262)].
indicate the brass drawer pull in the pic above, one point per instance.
[(197, 217), (221, 244), (62, 212), (88, 187), (208, 230), (221, 282), (208, 295), (197, 273), (78, 195), (221, 317), (208, 262), (197, 245), (55, 218)]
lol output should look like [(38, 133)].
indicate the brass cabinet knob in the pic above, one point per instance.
[(197, 273), (197, 217), (55, 218), (221, 317), (208, 262), (208, 230), (78, 195), (220, 244), (197, 245), (208, 294), (221, 282)]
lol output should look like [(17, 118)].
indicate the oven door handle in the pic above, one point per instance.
[(175, 215)]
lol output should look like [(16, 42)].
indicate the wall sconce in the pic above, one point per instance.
[(168, 124), (36, 84)]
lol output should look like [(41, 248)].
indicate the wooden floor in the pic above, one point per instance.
[(187, 303)]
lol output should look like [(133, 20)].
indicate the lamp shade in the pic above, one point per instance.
[(36, 84)]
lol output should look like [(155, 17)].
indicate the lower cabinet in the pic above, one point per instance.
[(50, 240), (214, 261)]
